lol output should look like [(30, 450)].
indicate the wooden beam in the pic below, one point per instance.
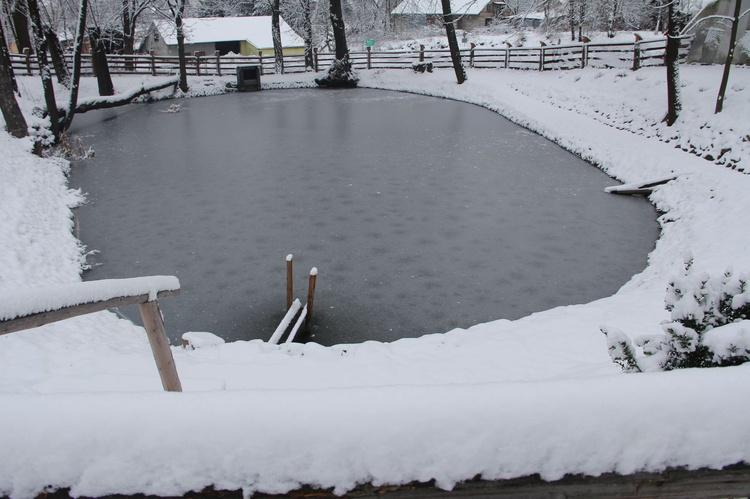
[(157, 337), (42, 318)]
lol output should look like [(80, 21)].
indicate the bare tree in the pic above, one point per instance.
[(5, 62), (735, 20), (44, 67), (300, 15), (340, 74), (278, 50), (674, 101), (14, 120), (450, 31), (75, 78), (177, 11), (20, 24)]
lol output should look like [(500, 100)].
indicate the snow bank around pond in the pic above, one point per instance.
[(81, 400)]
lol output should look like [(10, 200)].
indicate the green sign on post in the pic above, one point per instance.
[(369, 43)]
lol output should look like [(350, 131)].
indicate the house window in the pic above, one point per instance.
[(156, 36)]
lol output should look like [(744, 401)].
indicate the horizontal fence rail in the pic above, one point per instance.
[(554, 57)]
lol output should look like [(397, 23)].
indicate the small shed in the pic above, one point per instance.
[(238, 35), (711, 34), (471, 14)]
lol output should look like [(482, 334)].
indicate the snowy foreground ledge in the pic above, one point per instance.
[(82, 406)]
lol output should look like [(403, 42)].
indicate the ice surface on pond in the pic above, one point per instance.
[(422, 214)]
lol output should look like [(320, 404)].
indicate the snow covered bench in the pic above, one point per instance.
[(26, 308)]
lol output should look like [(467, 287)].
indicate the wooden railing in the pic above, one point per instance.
[(27, 308), (598, 55)]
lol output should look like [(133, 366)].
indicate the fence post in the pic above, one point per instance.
[(153, 62), (471, 55), (421, 53), (218, 62), (260, 59), (636, 56), (507, 57), (157, 338), (310, 298), (27, 53), (197, 63), (584, 55), (541, 59), (369, 57), (315, 59), (289, 281)]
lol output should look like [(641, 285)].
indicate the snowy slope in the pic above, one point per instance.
[(81, 400)]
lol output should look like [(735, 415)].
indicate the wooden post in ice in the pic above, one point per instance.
[(311, 298), (157, 337), (421, 53), (289, 282)]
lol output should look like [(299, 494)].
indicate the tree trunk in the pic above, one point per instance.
[(450, 31), (128, 29), (730, 56), (308, 35), (572, 18), (339, 30), (581, 18), (44, 68), (15, 123), (5, 63), (99, 62), (77, 55), (674, 104), (181, 44), (612, 19), (278, 52), (56, 54), (21, 26)]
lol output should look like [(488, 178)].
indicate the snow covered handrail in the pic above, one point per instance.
[(27, 308)]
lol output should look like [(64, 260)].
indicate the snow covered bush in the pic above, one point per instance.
[(339, 75), (709, 326)]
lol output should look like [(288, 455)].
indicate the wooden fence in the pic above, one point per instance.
[(598, 55)]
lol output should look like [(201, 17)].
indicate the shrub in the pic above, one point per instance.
[(709, 326)]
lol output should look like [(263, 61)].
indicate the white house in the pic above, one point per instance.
[(239, 35), (471, 14)]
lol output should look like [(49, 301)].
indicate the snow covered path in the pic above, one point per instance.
[(81, 401)]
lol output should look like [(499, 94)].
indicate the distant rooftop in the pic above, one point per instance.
[(434, 7), (255, 30)]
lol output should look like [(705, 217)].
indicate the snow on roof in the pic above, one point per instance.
[(255, 30), (470, 7)]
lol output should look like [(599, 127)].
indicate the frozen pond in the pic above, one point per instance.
[(421, 214)]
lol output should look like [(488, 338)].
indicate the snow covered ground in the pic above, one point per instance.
[(82, 405)]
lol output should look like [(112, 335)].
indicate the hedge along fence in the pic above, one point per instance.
[(598, 55)]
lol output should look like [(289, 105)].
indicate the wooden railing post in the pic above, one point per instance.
[(260, 59), (157, 337), (218, 62), (153, 62), (584, 55), (369, 56), (636, 56), (197, 63), (541, 59), (310, 298), (315, 59), (471, 55), (289, 282), (421, 53), (27, 54), (507, 57)]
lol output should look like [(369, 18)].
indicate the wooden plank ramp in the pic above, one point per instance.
[(643, 189)]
